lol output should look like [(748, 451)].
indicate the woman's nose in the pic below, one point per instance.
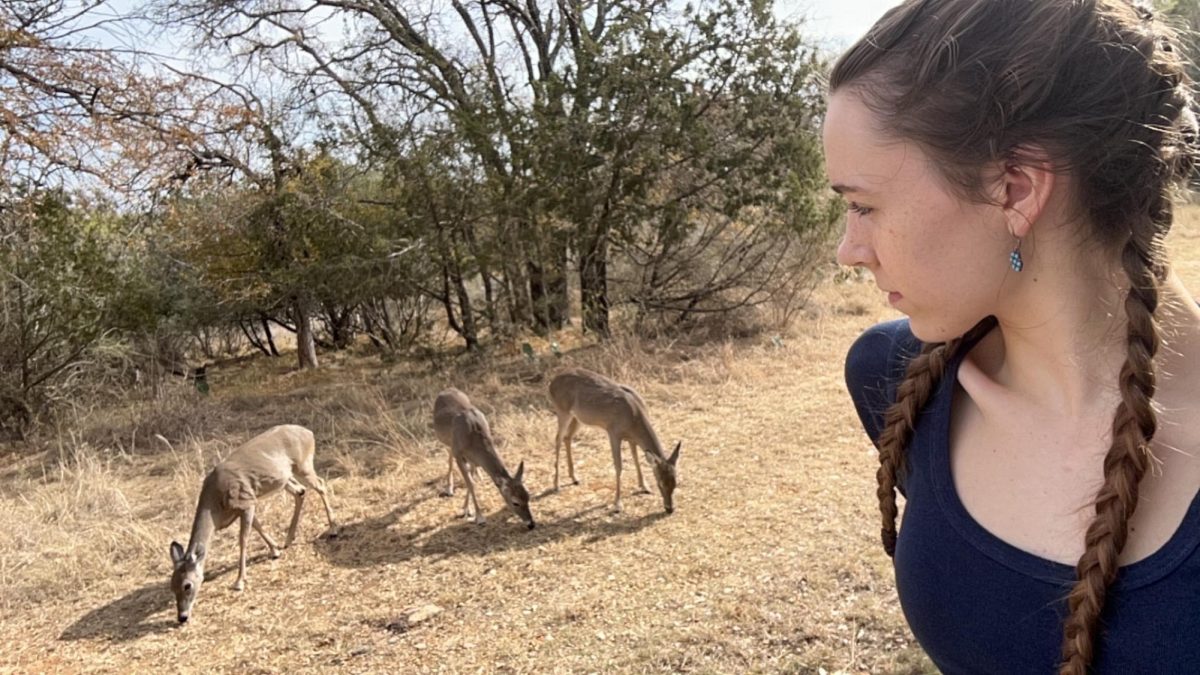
[(855, 249)]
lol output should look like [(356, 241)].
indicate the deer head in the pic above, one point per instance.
[(666, 476), (186, 578), (516, 497)]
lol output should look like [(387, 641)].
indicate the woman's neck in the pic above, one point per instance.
[(1062, 341)]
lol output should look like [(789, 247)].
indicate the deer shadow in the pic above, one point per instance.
[(130, 616), (372, 542)]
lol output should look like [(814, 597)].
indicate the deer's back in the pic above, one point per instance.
[(472, 437), (597, 400), (462, 427), (448, 405), (261, 466)]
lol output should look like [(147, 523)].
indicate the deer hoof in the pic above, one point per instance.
[(239, 585), (275, 553)]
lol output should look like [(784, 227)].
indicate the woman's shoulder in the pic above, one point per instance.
[(880, 349), (875, 365)]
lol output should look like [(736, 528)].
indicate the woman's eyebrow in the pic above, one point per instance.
[(842, 189)]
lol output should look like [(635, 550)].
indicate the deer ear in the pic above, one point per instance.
[(176, 553), (520, 471), (199, 554), (675, 455)]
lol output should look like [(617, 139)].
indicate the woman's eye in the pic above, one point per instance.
[(858, 209)]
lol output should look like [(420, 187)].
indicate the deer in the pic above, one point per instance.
[(280, 458), (582, 396), (463, 428)]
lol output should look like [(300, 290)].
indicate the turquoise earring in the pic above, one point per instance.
[(1014, 258)]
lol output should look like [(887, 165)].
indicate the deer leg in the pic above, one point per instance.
[(615, 442), (572, 427), (464, 469), (297, 492), (466, 507), (637, 464), (479, 519), (449, 477), (308, 477), (470, 483), (247, 521), (558, 440), (266, 537)]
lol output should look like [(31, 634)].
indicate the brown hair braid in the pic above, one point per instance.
[(924, 372), (1134, 425), (1124, 465), (1058, 76)]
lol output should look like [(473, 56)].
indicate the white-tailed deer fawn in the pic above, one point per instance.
[(580, 395), (280, 458), (465, 430)]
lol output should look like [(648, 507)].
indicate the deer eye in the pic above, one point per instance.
[(187, 586)]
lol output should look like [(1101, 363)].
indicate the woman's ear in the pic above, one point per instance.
[(1028, 181)]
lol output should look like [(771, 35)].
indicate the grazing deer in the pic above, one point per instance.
[(465, 430), (580, 395), (279, 459)]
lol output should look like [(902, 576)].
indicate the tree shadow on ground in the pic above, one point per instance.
[(130, 616), (374, 541)]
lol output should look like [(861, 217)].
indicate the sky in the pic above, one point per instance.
[(834, 23)]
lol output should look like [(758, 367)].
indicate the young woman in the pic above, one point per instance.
[(1008, 167)]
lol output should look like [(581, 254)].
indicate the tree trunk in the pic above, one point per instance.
[(495, 321), (469, 331), (447, 303), (509, 295), (377, 324), (485, 273), (22, 354), (538, 296), (306, 346), (593, 285), (556, 285), (548, 283), (341, 327), (267, 329), (466, 327), (519, 299), (548, 290), (204, 339), (252, 336)]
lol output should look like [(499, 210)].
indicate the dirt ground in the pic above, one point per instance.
[(770, 563)]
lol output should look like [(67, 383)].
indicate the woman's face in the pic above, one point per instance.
[(940, 258)]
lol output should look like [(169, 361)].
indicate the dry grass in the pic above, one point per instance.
[(770, 564)]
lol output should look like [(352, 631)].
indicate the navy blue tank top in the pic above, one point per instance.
[(980, 605)]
